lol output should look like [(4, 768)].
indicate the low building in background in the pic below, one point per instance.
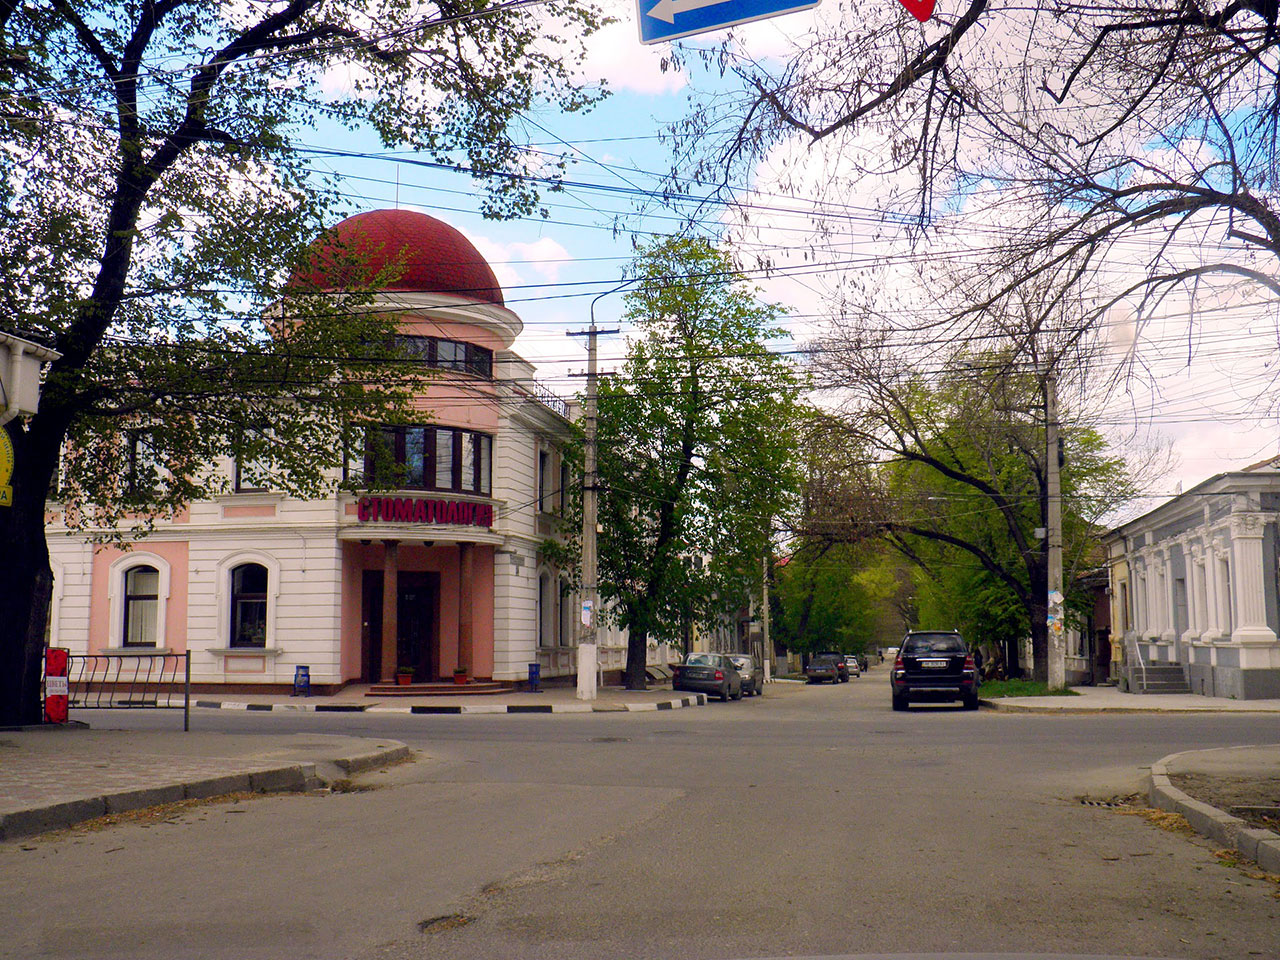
[(1195, 590)]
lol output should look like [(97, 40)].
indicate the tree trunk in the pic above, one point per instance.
[(633, 678), (26, 584), (1039, 641)]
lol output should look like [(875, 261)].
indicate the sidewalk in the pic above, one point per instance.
[(557, 699), (1112, 700), (54, 777)]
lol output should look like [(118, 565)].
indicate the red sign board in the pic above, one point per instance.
[(920, 9), (422, 510)]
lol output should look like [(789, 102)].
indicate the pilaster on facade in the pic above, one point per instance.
[(1249, 599)]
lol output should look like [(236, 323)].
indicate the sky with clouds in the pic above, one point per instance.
[(1201, 382)]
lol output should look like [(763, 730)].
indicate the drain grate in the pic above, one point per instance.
[(1111, 804), (610, 740)]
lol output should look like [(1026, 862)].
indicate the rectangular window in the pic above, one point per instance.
[(479, 361), (564, 487), (445, 354), (451, 355), (485, 462), (415, 456), (142, 463), (429, 458), (470, 480), (544, 464), (444, 459)]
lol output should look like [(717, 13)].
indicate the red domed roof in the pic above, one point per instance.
[(419, 253)]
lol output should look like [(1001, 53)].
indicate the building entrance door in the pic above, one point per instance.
[(417, 603)]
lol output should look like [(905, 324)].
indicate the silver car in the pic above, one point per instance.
[(752, 673)]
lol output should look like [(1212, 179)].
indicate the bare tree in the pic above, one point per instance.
[(1124, 152)]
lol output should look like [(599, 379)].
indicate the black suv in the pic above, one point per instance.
[(934, 665)]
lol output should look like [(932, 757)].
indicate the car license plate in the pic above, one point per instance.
[(933, 664)]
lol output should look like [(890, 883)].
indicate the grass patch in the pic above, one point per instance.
[(991, 689)]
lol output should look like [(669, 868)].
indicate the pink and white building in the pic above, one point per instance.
[(441, 574)]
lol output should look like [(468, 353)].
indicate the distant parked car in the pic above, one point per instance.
[(855, 668), (934, 665), (823, 666), (752, 674), (708, 673), (842, 663)]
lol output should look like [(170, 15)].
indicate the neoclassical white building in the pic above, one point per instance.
[(445, 572), (1194, 583)]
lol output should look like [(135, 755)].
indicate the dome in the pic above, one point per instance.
[(420, 253)]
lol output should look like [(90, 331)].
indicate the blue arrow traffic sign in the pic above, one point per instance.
[(671, 19)]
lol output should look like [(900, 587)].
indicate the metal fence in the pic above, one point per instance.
[(132, 681)]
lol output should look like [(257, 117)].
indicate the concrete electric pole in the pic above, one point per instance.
[(587, 650)]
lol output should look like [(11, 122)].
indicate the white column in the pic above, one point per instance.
[(1138, 587), (1167, 601), (1247, 581), (1212, 607)]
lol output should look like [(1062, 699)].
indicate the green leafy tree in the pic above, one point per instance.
[(156, 200), (835, 596), (954, 476), (696, 438)]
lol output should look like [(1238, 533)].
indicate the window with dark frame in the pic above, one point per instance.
[(249, 605), (429, 458), (141, 468), (455, 355), (544, 465), (141, 606)]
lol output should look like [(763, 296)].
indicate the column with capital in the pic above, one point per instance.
[(1168, 621), (1247, 583)]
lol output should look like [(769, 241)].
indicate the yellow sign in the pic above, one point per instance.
[(6, 468)]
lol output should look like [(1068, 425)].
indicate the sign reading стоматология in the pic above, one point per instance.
[(422, 510)]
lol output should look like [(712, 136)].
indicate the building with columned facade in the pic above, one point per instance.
[(444, 573), (1195, 584)]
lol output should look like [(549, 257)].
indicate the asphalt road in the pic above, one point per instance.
[(812, 822)]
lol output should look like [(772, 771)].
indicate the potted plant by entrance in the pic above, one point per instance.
[(404, 676), (459, 675)]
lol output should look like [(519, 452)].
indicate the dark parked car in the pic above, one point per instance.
[(708, 673), (842, 663), (752, 673), (934, 665), (824, 666)]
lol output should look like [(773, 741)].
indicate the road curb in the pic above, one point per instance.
[(692, 700), (997, 704), (1261, 846), (286, 778)]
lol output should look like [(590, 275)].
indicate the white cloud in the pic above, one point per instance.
[(616, 56)]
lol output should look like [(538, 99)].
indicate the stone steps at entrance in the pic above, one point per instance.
[(446, 689), (1161, 678)]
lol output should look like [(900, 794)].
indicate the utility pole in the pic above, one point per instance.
[(1054, 601), (587, 651)]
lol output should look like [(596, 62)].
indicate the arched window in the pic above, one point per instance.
[(249, 605), (141, 606)]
